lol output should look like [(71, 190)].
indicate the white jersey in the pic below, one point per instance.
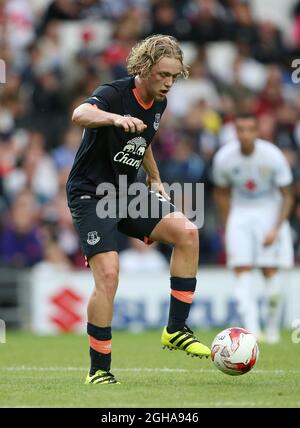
[(256, 200), (254, 179)]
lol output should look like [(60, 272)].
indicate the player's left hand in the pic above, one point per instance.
[(158, 187), (270, 237)]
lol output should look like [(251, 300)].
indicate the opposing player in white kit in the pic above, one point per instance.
[(253, 194)]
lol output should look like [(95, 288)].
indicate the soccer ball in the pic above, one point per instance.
[(234, 351)]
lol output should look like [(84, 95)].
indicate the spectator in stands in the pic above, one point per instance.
[(54, 259), (64, 154), (20, 243), (209, 22), (269, 48), (198, 87), (237, 89), (126, 33), (93, 10), (50, 50), (19, 25), (244, 27), (186, 166), (62, 10), (12, 96), (48, 109), (164, 20), (56, 216), (204, 123), (270, 100), (35, 171)]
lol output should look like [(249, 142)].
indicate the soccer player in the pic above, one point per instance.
[(253, 194), (120, 120)]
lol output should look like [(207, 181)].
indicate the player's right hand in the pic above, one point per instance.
[(130, 124), (270, 238)]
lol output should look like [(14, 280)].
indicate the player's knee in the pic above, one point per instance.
[(238, 270), (108, 280), (189, 236), (269, 272), (110, 276)]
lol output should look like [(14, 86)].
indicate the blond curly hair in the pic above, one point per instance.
[(150, 51)]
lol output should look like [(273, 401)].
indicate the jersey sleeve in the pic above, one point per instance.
[(102, 97), (282, 173), (219, 173)]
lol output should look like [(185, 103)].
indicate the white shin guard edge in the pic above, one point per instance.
[(246, 302)]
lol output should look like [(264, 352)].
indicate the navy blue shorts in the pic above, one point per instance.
[(98, 234)]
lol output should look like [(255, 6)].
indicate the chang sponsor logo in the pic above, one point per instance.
[(132, 153)]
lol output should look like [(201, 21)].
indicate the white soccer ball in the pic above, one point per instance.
[(234, 351)]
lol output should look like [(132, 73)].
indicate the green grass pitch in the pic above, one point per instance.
[(50, 371)]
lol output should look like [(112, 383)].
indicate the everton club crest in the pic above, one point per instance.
[(93, 238), (156, 121)]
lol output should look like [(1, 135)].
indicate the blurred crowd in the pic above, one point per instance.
[(55, 53)]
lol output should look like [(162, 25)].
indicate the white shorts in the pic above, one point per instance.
[(244, 238)]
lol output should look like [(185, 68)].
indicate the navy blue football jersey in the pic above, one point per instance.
[(107, 152)]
